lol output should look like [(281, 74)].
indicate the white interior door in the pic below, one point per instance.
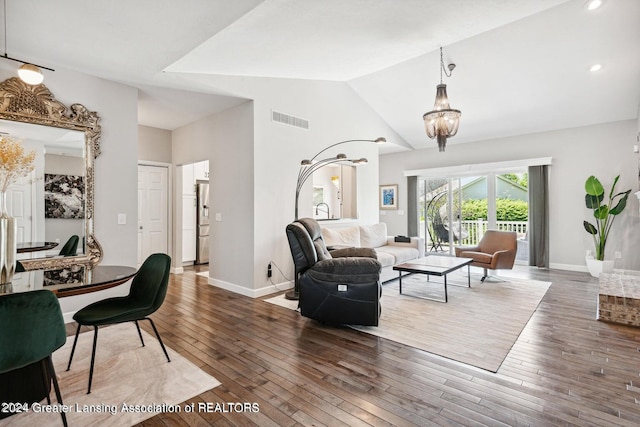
[(152, 211), (19, 197)]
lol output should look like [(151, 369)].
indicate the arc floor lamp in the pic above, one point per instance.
[(307, 168)]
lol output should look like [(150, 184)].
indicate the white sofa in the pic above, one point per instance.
[(388, 251)]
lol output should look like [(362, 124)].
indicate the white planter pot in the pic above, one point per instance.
[(596, 266)]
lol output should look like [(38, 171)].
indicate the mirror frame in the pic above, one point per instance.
[(35, 104)]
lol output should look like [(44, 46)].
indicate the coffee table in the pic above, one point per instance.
[(434, 265)]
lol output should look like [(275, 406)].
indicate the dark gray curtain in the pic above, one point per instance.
[(538, 216), (412, 206)]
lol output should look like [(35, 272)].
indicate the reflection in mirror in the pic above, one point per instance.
[(57, 200), (49, 204), (334, 192)]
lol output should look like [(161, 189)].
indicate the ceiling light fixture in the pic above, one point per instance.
[(28, 72), (443, 121), (593, 4), (595, 68)]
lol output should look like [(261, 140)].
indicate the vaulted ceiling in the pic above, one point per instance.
[(522, 65)]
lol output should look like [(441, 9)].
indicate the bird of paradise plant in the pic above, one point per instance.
[(604, 214)]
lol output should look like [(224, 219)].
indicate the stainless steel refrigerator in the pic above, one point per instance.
[(202, 222)]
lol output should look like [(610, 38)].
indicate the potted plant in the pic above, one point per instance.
[(604, 213)]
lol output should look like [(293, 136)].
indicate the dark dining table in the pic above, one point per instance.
[(25, 384), (70, 281), (25, 247)]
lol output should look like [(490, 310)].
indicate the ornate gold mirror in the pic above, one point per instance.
[(32, 113)]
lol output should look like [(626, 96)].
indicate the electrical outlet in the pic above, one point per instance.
[(269, 271), (617, 255)]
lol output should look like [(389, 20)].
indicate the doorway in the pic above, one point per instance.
[(195, 213), (153, 207)]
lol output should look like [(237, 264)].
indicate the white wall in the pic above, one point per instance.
[(226, 140), (601, 150), (154, 144), (335, 113)]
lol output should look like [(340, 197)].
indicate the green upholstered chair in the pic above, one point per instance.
[(146, 295), (32, 329), (71, 247)]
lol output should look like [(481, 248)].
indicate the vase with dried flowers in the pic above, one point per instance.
[(14, 164)]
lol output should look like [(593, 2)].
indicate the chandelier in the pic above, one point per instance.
[(443, 121)]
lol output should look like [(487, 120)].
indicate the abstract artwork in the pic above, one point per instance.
[(389, 196), (64, 196)]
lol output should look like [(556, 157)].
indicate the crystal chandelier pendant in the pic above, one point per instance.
[(443, 121)]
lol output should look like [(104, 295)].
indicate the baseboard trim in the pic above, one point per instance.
[(252, 293), (569, 267), (68, 317), (584, 269), (177, 270)]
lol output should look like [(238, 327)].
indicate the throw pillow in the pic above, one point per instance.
[(373, 236), (341, 236)]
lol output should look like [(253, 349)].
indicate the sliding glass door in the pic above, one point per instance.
[(433, 199), (512, 209), (457, 210)]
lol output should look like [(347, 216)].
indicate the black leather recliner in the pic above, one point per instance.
[(337, 287)]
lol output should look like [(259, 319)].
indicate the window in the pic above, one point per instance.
[(459, 210)]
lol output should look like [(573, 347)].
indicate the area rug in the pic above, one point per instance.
[(478, 326), (130, 383)]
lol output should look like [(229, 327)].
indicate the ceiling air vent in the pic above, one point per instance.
[(286, 119)]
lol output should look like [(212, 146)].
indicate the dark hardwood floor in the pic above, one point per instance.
[(565, 369)]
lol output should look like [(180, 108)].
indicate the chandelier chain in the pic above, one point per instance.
[(442, 67)]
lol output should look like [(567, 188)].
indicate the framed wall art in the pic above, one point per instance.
[(389, 196), (63, 196)]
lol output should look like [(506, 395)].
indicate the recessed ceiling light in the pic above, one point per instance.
[(595, 68), (593, 4)]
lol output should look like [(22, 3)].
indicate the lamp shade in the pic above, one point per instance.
[(30, 74)]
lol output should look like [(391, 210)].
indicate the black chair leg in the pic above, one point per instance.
[(159, 339), (46, 381), (93, 357), (73, 349), (56, 387), (139, 332)]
